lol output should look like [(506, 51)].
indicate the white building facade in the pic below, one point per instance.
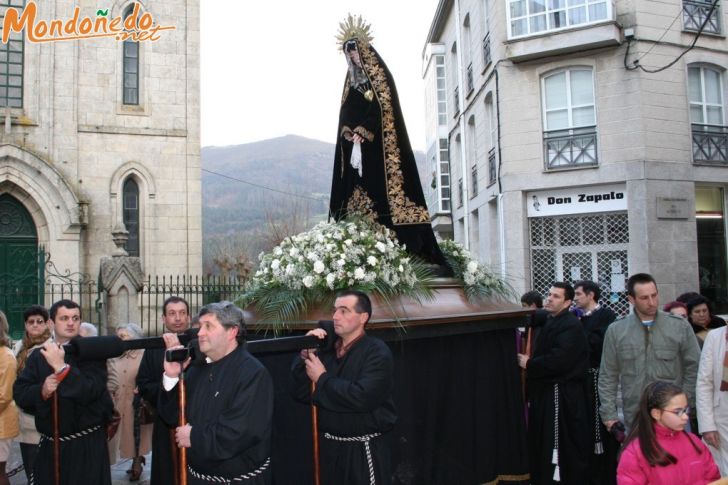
[(568, 159), (100, 134)]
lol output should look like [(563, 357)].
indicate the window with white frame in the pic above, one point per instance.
[(444, 175), (529, 17), (705, 96), (569, 117), (441, 90)]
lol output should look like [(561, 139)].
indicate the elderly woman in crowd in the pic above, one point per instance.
[(701, 319), (711, 393), (37, 332), (8, 412), (133, 439)]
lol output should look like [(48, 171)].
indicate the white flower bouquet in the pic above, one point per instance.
[(478, 281), (308, 269)]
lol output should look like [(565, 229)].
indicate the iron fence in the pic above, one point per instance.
[(16, 298), (695, 14), (572, 147), (196, 290), (710, 143)]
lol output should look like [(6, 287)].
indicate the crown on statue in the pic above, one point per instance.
[(354, 27)]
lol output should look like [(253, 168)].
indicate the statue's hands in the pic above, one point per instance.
[(357, 138)]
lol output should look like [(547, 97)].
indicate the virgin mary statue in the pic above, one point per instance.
[(375, 174)]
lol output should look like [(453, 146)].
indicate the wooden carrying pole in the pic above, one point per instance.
[(314, 433), (56, 442), (182, 422)]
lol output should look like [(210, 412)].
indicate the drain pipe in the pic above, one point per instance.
[(461, 124), (500, 208)]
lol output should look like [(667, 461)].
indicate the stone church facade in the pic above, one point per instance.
[(98, 135)]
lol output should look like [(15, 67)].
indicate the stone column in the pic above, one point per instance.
[(122, 277)]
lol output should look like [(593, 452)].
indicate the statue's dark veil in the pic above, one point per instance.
[(389, 190)]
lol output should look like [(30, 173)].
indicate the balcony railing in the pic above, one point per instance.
[(492, 168), (456, 101), (487, 59), (695, 13), (571, 148), (710, 143), (471, 85)]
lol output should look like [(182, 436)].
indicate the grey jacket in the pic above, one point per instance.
[(634, 356)]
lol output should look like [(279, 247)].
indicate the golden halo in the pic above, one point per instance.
[(354, 27)]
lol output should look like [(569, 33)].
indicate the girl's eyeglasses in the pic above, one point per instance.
[(679, 412)]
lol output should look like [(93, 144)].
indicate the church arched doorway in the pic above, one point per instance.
[(19, 269)]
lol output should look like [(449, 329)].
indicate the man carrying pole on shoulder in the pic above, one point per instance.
[(84, 406), (229, 403)]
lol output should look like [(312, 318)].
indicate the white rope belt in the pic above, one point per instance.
[(65, 439), (598, 445), (367, 449), (73, 436), (245, 476)]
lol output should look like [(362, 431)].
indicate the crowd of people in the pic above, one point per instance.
[(631, 400), (75, 417)]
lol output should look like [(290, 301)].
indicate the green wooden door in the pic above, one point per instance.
[(19, 268)]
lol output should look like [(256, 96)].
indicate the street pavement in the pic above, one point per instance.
[(118, 471)]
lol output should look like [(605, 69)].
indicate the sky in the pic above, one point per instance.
[(270, 69)]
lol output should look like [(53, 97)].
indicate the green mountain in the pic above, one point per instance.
[(256, 193)]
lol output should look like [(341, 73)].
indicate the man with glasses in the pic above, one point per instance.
[(84, 405), (353, 392)]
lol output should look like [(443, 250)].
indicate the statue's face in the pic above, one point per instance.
[(354, 56)]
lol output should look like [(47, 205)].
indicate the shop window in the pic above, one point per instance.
[(710, 222)]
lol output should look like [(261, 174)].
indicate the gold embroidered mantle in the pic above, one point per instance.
[(402, 209)]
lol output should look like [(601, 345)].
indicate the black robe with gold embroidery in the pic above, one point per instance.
[(389, 190)]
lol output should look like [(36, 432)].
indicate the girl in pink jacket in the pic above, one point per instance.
[(658, 450)]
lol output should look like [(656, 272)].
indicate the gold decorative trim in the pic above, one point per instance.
[(509, 478), (346, 132), (364, 133), (360, 203), (402, 209)]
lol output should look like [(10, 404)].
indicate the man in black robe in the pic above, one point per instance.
[(556, 386), (229, 403), (353, 394), (84, 405), (375, 173), (176, 319), (595, 319)]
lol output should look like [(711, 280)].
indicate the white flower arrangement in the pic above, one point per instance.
[(477, 279), (309, 268)]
